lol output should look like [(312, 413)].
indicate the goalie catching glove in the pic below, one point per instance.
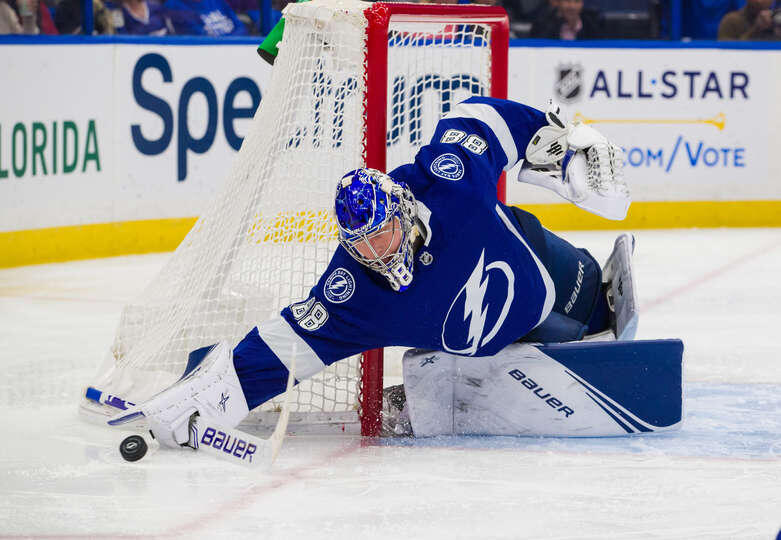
[(578, 163)]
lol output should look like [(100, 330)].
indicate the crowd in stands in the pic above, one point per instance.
[(757, 20), (136, 17), (644, 19), (544, 19)]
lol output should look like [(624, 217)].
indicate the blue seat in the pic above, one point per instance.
[(628, 19)]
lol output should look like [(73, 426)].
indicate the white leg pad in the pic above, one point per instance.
[(592, 390)]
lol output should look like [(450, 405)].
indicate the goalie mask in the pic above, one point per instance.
[(376, 220)]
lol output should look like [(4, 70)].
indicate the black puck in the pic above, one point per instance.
[(133, 448)]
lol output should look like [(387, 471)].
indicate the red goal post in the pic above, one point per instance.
[(379, 17)]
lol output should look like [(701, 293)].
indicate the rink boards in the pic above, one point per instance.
[(124, 163)]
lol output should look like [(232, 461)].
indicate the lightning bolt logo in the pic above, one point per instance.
[(474, 291), (338, 285), (448, 166)]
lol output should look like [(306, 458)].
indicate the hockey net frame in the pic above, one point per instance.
[(133, 354), (380, 16)]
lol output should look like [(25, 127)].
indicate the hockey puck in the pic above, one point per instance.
[(133, 448)]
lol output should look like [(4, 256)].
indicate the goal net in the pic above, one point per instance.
[(355, 84)]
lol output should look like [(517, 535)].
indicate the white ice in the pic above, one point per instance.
[(720, 477)]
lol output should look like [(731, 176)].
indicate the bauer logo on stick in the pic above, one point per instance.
[(339, 286), (228, 443)]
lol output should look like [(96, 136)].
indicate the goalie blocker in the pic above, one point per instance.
[(579, 389)]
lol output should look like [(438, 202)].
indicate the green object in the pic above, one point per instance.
[(269, 49)]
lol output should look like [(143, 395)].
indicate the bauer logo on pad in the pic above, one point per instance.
[(339, 286), (448, 166)]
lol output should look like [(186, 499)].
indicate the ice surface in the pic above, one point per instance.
[(720, 477)]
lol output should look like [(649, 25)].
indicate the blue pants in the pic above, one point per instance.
[(581, 305)]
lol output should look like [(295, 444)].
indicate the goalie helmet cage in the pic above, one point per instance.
[(354, 85)]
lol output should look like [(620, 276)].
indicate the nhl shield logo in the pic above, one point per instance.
[(569, 82)]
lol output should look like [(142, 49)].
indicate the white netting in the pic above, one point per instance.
[(431, 67), (264, 241)]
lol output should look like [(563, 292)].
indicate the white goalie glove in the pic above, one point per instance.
[(201, 409), (209, 388), (578, 163)]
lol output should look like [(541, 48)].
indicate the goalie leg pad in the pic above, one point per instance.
[(570, 389)]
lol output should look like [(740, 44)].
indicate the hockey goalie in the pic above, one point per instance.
[(509, 323)]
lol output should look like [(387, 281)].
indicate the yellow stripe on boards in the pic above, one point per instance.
[(18, 248), (57, 244), (663, 215)]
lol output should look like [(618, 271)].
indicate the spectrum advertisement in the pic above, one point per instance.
[(121, 132)]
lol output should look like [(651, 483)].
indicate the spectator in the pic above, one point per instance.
[(68, 17), (568, 20), (9, 20), (140, 17), (543, 17), (700, 18), (204, 18), (777, 23), (25, 17), (753, 22), (45, 20), (248, 13)]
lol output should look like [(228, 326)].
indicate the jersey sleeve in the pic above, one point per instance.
[(313, 333), (487, 135), (263, 359)]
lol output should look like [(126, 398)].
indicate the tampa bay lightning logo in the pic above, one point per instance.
[(339, 286), (448, 166), (465, 328)]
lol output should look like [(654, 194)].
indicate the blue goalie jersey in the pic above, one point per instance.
[(478, 284)]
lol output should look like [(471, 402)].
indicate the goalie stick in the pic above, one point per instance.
[(228, 444)]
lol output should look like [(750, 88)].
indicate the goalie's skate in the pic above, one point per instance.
[(621, 288), (395, 415)]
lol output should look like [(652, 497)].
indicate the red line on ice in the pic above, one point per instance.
[(731, 265), (207, 520)]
